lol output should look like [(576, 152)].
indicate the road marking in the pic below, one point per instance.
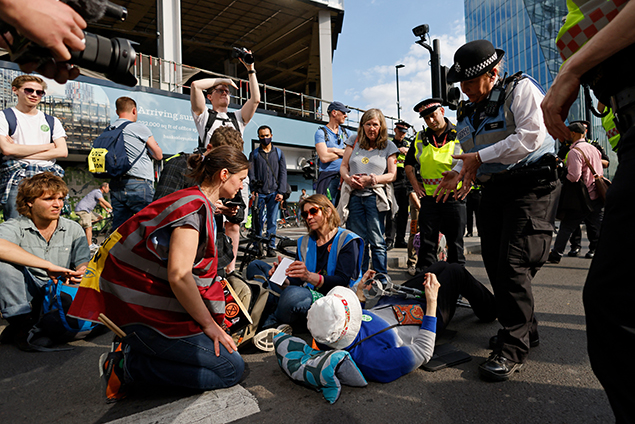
[(213, 407)]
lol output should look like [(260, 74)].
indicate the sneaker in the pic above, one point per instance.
[(93, 247), (264, 339), (412, 270), (112, 374)]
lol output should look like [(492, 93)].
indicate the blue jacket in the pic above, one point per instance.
[(273, 176)]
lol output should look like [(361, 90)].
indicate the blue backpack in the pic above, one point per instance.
[(108, 157), (54, 322)]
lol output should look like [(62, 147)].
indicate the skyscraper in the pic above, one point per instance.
[(527, 30)]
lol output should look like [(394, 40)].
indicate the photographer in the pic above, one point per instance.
[(51, 24), (384, 355), (216, 90)]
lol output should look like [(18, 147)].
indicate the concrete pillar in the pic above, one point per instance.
[(169, 38), (326, 58)]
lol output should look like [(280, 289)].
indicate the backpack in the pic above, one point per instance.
[(53, 322), (288, 190), (9, 115), (211, 118), (254, 297), (108, 157)]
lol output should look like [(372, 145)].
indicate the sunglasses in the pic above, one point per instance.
[(30, 91), (313, 211), (221, 91)]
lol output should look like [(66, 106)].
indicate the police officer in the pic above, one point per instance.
[(432, 153), (606, 62), (508, 150), (396, 227)]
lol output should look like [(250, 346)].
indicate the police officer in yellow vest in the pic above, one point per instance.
[(396, 227), (602, 54), (431, 154), (509, 152)]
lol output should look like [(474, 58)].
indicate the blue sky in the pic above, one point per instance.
[(376, 36)]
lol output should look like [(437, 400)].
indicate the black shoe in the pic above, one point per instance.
[(271, 253), (575, 251), (590, 254), (389, 245), (401, 245), (469, 235), (534, 341), (498, 368), (554, 258)]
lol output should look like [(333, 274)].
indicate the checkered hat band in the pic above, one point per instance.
[(476, 70), (428, 106)]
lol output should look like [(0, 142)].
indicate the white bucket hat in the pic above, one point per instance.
[(335, 319)]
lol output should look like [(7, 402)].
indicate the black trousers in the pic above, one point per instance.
[(454, 280), (609, 290), (448, 218), (472, 203), (516, 230), (396, 227), (570, 224)]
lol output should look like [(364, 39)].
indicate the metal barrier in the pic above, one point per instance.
[(170, 76)]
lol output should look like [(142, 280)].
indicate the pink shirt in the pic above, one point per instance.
[(577, 167)]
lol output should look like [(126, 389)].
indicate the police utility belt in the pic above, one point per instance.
[(543, 171), (623, 105)]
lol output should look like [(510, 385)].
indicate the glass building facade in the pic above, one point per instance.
[(527, 31)]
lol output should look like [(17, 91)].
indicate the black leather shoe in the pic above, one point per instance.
[(590, 254), (498, 368), (534, 341), (401, 245), (554, 258), (271, 253), (575, 251)]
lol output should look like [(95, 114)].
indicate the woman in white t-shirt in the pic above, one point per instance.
[(369, 165)]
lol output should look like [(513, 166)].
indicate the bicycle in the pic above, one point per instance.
[(256, 247)]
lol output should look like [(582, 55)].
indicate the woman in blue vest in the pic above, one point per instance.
[(327, 257)]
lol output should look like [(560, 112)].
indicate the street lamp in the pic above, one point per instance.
[(397, 67)]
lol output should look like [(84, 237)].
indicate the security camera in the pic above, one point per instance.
[(421, 30)]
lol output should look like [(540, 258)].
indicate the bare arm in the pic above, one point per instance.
[(181, 258), (391, 172), (153, 147), (12, 253), (328, 154), (416, 185), (58, 151), (197, 92), (249, 108), (9, 148), (344, 168), (104, 204), (617, 35)]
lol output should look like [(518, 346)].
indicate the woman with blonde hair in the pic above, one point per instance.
[(327, 257), (369, 166)]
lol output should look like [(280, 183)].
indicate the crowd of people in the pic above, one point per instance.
[(159, 282)]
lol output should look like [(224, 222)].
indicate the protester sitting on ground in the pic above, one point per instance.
[(156, 279), (337, 320), (33, 247), (329, 256), (85, 207)]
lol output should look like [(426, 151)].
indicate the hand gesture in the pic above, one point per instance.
[(54, 272), (448, 185), (364, 284), (431, 286)]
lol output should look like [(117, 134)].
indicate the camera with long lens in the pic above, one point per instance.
[(113, 57), (243, 53)]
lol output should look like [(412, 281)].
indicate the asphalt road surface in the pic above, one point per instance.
[(556, 385)]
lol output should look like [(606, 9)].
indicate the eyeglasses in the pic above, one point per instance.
[(29, 91), (222, 91), (313, 211)]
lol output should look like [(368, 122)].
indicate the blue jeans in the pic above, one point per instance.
[(10, 208), (19, 290), (129, 196), (268, 201), (186, 362), (367, 222), (292, 305)]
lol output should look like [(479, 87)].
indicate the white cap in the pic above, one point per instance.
[(335, 319)]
